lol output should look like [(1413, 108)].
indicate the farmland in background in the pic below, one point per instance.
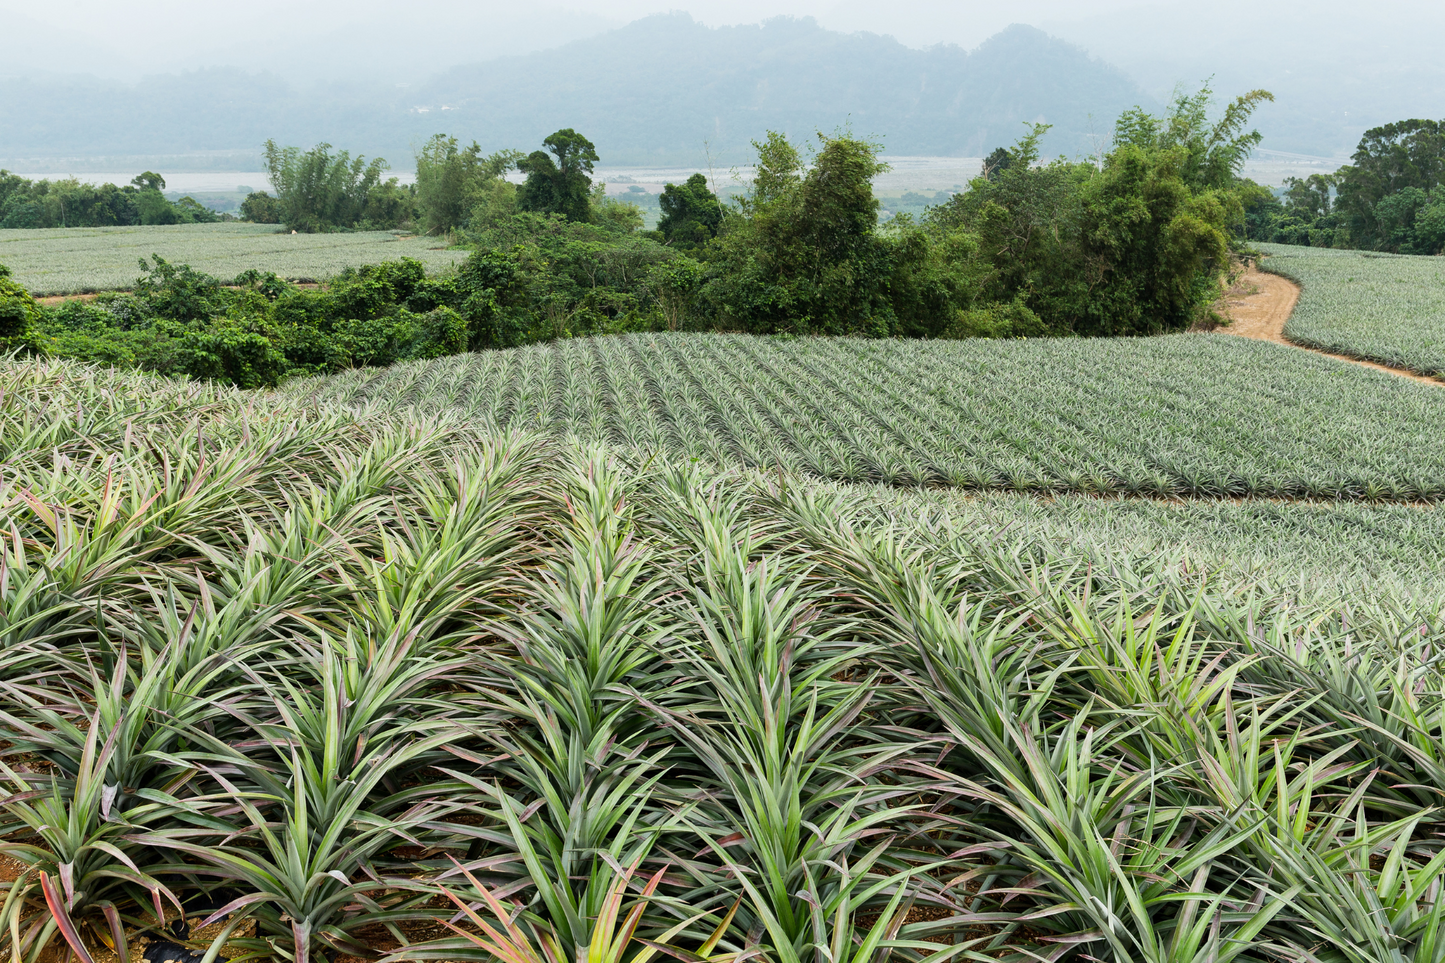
[(1386, 308), (81, 260), (1179, 415)]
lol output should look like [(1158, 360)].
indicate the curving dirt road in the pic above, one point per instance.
[(1260, 303)]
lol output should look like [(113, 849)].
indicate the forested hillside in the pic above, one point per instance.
[(650, 93)]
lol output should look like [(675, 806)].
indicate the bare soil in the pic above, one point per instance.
[(53, 299), (1259, 304)]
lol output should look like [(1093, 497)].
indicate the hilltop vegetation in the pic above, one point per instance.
[(1134, 245)]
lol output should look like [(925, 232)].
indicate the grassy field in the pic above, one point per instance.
[(327, 663), (80, 260), (1385, 308), (1188, 415)]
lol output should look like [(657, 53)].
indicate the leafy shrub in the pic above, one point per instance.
[(18, 317), (1012, 319), (691, 213), (177, 293), (237, 353), (378, 342), (318, 190), (260, 207)]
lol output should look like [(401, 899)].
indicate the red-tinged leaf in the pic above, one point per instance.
[(301, 934), (67, 881), (729, 840), (117, 932), (107, 797), (41, 509), (234, 905), (1024, 887), (62, 919)]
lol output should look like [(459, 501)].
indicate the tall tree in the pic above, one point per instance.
[(1409, 154), (451, 180), (318, 190), (564, 186), (691, 213), (1213, 151)]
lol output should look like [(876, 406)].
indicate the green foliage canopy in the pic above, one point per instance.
[(806, 256), (1396, 174), (1391, 198), (18, 315), (560, 187), (71, 203), (691, 213), (451, 181), (318, 190)]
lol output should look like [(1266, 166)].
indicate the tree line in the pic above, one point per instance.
[(70, 203), (1390, 198), (1133, 242)]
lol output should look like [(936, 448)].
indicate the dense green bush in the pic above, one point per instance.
[(18, 316), (260, 207), (692, 215), (317, 190), (260, 330), (1135, 245), (452, 181), (804, 254)]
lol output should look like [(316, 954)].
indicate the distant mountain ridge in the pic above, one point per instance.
[(654, 92)]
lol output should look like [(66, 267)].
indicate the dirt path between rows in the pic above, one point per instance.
[(1260, 303)]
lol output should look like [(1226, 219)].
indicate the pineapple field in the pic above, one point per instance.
[(478, 660), (1385, 308), (1183, 415), (80, 260)]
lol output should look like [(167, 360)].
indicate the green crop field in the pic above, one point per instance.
[(1385, 308), (1344, 548), (715, 647), (80, 260), (1185, 415), (332, 675)]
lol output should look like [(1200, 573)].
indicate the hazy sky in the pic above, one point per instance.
[(1334, 64), (110, 37), (137, 36), (915, 22)]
